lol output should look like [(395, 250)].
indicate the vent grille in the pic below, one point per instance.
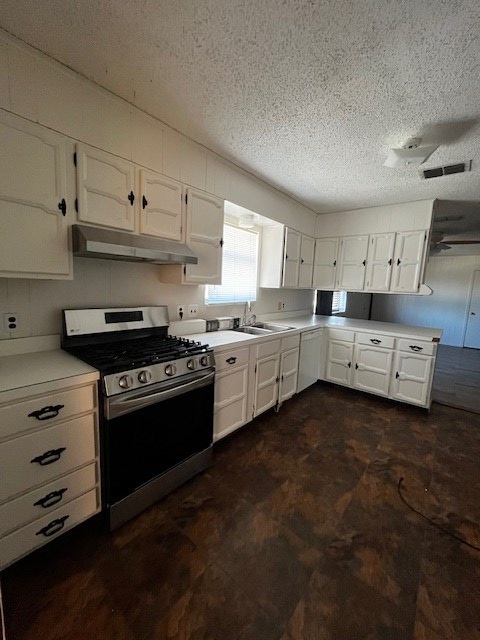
[(447, 170)]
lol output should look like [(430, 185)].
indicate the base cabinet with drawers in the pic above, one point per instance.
[(394, 367), (49, 466), (231, 391)]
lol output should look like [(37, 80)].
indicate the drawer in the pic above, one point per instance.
[(377, 340), (35, 534), (230, 385), (268, 348), (417, 346), (38, 503), (37, 458), (230, 359), (290, 342), (56, 407), (341, 334)]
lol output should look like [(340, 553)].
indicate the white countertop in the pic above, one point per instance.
[(26, 369)]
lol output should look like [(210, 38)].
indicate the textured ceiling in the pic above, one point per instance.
[(307, 94)]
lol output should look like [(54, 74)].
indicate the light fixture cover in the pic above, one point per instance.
[(398, 158)]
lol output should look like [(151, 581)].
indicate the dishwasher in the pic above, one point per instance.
[(311, 365)]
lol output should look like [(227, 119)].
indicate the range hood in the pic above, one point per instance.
[(92, 242)]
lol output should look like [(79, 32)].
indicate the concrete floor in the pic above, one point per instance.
[(297, 532)]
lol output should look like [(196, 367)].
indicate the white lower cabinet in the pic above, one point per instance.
[(372, 371), (49, 465), (288, 374), (231, 391), (412, 380), (266, 383), (311, 365)]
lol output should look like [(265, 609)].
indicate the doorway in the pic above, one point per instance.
[(472, 333)]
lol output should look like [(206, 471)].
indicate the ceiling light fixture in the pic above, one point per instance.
[(410, 153)]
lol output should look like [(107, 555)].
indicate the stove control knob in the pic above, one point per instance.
[(192, 364), (205, 361), (170, 369), (125, 382), (144, 376)]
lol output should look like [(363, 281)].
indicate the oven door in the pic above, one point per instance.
[(149, 431)]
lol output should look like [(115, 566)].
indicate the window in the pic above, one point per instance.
[(239, 270), (339, 301)]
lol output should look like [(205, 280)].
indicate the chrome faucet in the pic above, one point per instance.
[(252, 319)]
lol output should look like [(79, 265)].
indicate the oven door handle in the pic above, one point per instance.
[(120, 406)]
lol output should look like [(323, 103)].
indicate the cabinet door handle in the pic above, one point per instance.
[(398, 261), (49, 457), (50, 499), (231, 360), (375, 341), (356, 365), (131, 197), (62, 205), (46, 413), (390, 262), (414, 347), (277, 379), (52, 527), (144, 202), (334, 263), (364, 262), (397, 375), (221, 242), (349, 365)]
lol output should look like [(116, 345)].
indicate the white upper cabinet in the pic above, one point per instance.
[(408, 261), (204, 236), (161, 206), (291, 262), (33, 201), (325, 263), (307, 251), (105, 189), (379, 261), (352, 263)]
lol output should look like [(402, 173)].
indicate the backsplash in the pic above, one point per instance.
[(102, 283)]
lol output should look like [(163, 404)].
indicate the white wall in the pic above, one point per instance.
[(447, 308), (39, 89)]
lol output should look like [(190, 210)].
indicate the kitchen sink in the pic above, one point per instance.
[(263, 328)]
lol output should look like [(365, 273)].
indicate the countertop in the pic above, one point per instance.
[(221, 340)]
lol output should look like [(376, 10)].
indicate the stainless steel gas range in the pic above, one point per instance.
[(156, 403)]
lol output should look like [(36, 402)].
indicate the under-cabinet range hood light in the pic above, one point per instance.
[(91, 242)]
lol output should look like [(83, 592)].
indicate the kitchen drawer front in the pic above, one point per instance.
[(417, 346), (230, 385), (341, 334), (268, 349), (378, 340), (231, 359), (58, 450), (50, 409), (52, 496), (290, 342), (33, 535)]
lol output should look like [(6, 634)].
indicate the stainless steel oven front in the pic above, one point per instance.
[(154, 439)]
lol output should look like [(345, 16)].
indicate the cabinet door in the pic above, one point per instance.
[(266, 383), (34, 233), (339, 362), (408, 261), (231, 388), (291, 258), (380, 261), (204, 237), (325, 263), (352, 263), (411, 379), (161, 206), (310, 366), (373, 367), (288, 374), (105, 189), (307, 250)]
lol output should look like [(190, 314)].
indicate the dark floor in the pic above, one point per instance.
[(457, 378), (296, 533)]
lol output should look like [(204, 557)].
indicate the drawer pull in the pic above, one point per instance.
[(50, 499), (52, 527), (414, 347), (46, 412), (375, 341), (231, 360), (49, 456)]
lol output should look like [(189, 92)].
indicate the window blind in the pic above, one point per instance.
[(239, 269), (339, 301)]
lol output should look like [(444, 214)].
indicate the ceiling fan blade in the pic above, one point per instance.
[(463, 241)]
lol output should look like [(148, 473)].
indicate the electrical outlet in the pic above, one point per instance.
[(180, 311), (280, 305), (10, 322), (192, 310)]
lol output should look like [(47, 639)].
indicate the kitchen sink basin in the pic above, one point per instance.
[(263, 328)]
